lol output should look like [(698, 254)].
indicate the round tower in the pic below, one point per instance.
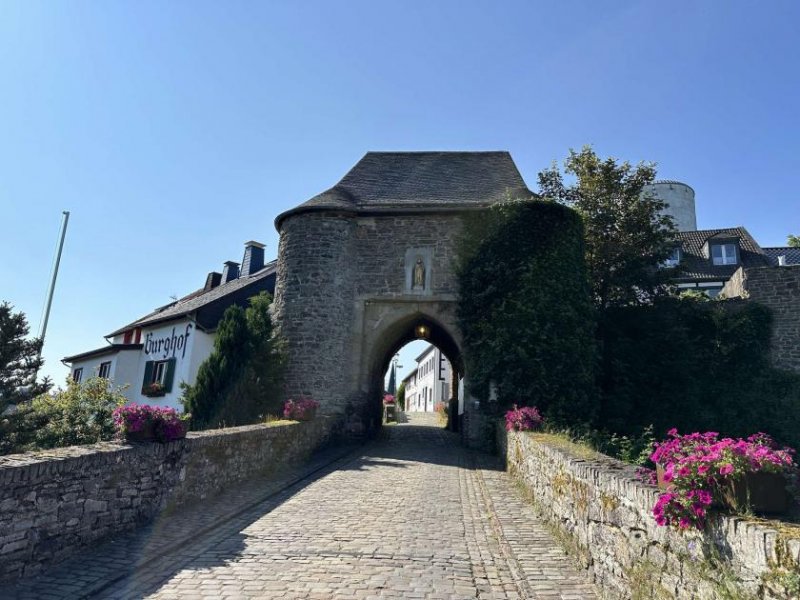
[(679, 199)]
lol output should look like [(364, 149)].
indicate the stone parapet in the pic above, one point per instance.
[(54, 502), (602, 514)]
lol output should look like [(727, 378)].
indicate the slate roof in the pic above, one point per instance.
[(395, 180), (694, 266), (792, 255), (109, 349), (200, 299)]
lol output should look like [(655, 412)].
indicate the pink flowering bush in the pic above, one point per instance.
[(697, 465), (302, 409), (164, 424), (526, 418), (388, 399)]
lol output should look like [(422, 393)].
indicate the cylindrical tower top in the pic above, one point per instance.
[(679, 199)]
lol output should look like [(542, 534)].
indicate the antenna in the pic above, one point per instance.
[(43, 331)]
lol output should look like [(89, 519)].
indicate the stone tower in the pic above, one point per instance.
[(679, 198)]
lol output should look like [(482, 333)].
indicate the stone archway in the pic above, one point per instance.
[(364, 262), (390, 325)]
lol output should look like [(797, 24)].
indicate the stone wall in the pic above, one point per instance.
[(343, 303), (779, 289), (601, 513), (54, 502)]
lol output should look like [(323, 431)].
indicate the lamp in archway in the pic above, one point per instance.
[(422, 331)]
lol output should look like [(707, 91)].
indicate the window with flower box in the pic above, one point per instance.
[(158, 377)]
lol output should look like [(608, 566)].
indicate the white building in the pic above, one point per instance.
[(430, 383), (154, 354)]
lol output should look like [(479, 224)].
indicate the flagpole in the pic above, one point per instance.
[(52, 290)]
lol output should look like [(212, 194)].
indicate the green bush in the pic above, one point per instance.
[(697, 365), (525, 311), (240, 382), (79, 414)]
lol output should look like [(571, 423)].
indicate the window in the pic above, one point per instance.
[(723, 254), (77, 375), (159, 372), (105, 370), (158, 376)]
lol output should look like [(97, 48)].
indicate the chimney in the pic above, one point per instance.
[(253, 258), (782, 260), (230, 271), (212, 281)]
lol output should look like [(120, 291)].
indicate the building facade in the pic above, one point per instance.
[(153, 355), (430, 383)]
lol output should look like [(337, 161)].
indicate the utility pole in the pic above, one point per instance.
[(43, 331)]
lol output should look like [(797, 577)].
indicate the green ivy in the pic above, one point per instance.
[(697, 365), (525, 311)]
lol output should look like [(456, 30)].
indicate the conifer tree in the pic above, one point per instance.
[(240, 382), (205, 399), (19, 359)]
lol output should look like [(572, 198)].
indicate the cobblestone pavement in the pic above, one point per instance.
[(411, 515)]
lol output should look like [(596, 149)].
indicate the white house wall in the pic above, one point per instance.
[(180, 339), (177, 340)]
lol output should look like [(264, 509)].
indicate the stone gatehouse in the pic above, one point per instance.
[(368, 265)]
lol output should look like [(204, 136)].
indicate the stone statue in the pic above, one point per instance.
[(419, 274)]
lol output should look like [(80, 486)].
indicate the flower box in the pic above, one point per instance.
[(146, 434), (761, 492), (143, 423), (302, 409)]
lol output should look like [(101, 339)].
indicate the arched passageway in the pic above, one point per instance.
[(441, 371)]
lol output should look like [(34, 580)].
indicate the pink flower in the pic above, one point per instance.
[(726, 469)]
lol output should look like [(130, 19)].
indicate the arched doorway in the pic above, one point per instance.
[(381, 347)]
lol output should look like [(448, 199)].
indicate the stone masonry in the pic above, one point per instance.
[(602, 513), (410, 515), (54, 502), (346, 298), (778, 288)]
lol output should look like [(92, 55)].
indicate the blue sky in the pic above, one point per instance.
[(176, 131)]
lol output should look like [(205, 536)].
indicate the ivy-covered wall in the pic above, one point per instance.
[(524, 308), (697, 365)]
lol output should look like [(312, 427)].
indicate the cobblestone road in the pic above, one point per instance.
[(412, 515)]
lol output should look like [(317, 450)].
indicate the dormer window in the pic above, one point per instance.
[(724, 254)]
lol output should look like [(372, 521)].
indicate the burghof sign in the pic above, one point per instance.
[(168, 345)]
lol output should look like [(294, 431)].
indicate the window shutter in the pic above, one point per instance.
[(148, 374), (170, 375)]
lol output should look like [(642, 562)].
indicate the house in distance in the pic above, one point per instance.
[(154, 354)]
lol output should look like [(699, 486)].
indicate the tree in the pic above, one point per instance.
[(19, 359), (793, 241), (206, 398), (627, 236), (401, 396), (239, 382)]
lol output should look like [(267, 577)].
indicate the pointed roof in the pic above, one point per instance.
[(387, 181)]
